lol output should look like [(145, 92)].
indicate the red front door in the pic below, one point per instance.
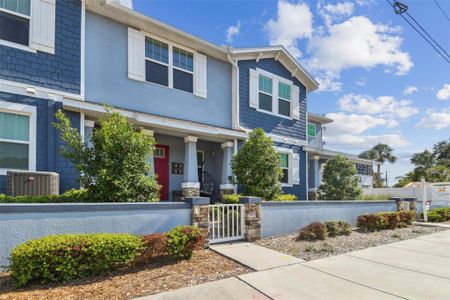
[(161, 158)]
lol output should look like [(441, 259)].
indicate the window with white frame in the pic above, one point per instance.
[(177, 72), (284, 99), (15, 21), (284, 164), (17, 137), (265, 93)]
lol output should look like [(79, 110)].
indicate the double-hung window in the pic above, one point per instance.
[(168, 65), (284, 99), (265, 93), (17, 137), (156, 62), (284, 164), (15, 21)]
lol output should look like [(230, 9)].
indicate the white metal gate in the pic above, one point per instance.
[(225, 222)]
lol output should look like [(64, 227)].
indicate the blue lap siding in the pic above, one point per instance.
[(60, 71), (48, 142), (251, 118)]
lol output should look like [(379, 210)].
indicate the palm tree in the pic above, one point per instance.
[(379, 153)]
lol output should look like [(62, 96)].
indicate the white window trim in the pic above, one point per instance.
[(21, 109), (289, 152), (16, 45), (170, 65), (275, 79), (315, 130)]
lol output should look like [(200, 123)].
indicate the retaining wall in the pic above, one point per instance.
[(280, 218)]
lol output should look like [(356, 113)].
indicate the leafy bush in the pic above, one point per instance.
[(115, 167), (336, 228), (371, 222), (339, 181), (444, 212), (373, 197), (183, 240), (155, 246), (231, 198), (391, 220), (435, 217), (257, 166), (60, 258), (406, 217), (285, 197), (68, 196), (313, 231)]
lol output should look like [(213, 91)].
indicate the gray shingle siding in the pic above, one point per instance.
[(251, 118), (60, 71)]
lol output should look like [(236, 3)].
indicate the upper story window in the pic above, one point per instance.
[(15, 21), (284, 99), (17, 137), (284, 163), (311, 130), (265, 93), (270, 93), (177, 72)]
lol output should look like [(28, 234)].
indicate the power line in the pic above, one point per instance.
[(422, 35), (442, 10)]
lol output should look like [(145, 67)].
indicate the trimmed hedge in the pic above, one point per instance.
[(385, 220), (60, 258), (68, 196)]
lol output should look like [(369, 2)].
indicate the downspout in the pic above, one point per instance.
[(235, 96)]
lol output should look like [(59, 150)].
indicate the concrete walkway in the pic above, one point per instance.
[(411, 269)]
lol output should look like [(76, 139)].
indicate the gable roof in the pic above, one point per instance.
[(280, 54)]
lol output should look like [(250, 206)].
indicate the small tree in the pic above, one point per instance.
[(115, 167), (257, 167), (339, 181)]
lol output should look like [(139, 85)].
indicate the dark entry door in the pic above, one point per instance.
[(161, 157)]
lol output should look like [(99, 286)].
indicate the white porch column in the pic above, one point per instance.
[(150, 158), (226, 186), (190, 185), (316, 171)]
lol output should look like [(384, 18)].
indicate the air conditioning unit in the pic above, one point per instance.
[(32, 183)]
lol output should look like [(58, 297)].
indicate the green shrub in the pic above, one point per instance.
[(444, 212), (336, 228), (68, 196), (285, 197), (313, 231), (60, 258), (373, 197), (231, 198), (183, 240), (435, 217), (371, 222), (391, 220)]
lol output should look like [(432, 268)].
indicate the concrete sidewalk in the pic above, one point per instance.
[(411, 269)]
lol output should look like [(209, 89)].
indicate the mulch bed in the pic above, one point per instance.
[(129, 282), (342, 244)]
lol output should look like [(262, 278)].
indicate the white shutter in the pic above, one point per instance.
[(42, 24), (200, 75), (253, 93), (294, 168), (295, 107), (136, 54)]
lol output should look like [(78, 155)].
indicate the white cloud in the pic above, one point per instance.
[(384, 106), (409, 90), (361, 81), (355, 124), (357, 42), (232, 31), (363, 141), (332, 12), (435, 119), (444, 93), (293, 22)]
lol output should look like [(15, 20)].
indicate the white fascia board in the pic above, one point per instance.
[(330, 153)]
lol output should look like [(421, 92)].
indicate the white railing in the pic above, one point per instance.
[(225, 222)]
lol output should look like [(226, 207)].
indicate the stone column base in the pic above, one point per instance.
[(252, 207), (190, 189), (200, 216)]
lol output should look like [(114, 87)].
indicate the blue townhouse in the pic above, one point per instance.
[(197, 99)]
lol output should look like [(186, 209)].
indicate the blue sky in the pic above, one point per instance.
[(380, 81)]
